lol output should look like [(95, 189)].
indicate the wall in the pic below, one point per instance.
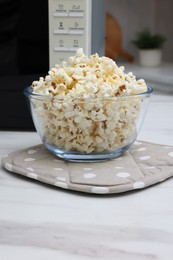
[(134, 15)]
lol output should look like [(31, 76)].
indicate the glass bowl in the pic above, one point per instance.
[(88, 129)]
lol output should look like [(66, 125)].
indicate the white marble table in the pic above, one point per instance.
[(42, 222)]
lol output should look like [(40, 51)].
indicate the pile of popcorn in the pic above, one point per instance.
[(91, 104)]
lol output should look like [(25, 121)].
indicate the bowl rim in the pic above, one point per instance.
[(28, 93)]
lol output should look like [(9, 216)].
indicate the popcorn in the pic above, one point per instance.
[(87, 106)]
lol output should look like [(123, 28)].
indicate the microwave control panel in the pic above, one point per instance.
[(69, 28)]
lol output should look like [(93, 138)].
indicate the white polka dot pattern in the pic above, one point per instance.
[(138, 185), (30, 169), (32, 151), (62, 179), (32, 175), (9, 167), (144, 158), (100, 190), (29, 159), (123, 174), (143, 165), (89, 175), (137, 143), (142, 149), (61, 184)]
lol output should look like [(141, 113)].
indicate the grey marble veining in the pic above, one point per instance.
[(90, 241), (40, 222)]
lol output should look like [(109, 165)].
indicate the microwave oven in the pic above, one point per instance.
[(75, 24)]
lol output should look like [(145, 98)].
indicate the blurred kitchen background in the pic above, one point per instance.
[(134, 15), (24, 49)]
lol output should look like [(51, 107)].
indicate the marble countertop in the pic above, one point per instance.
[(38, 221)]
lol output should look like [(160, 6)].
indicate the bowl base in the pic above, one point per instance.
[(75, 156)]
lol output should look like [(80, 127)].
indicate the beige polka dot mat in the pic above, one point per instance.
[(143, 165)]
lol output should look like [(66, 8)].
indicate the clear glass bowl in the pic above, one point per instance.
[(88, 129)]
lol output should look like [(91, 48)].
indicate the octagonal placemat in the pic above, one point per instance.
[(143, 165)]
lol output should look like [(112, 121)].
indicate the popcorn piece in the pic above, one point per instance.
[(83, 112)]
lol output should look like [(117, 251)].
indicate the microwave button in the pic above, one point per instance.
[(76, 31), (73, 49), (76, 14), (61, 49), (60, 14), (61, 31)]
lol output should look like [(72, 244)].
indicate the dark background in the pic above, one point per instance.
[(24, 57)]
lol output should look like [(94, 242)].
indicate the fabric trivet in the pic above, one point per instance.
[(143, 165)]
